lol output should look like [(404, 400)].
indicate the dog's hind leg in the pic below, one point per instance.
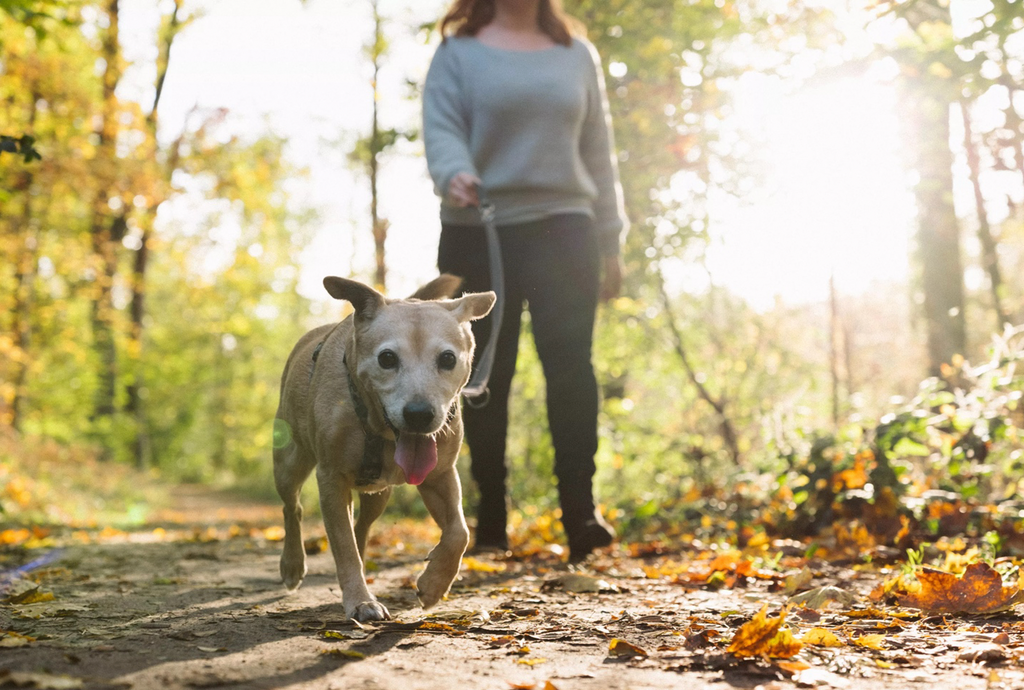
[(442, 494), (371, 506), (291, 468), (336, 508)]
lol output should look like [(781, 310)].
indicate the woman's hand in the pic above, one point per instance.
[(462, 189), (611, 281)]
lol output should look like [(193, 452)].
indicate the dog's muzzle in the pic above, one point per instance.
[(419, 417)]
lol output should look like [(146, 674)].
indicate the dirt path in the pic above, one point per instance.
[(196, 603)]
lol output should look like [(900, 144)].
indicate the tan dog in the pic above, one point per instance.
[(373, 402)]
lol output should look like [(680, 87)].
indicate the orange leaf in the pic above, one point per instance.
[(980, 590), (763, 636), (619, 647), (793, 666)]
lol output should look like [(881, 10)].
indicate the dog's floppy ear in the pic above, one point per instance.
[(471, 307), (365, 300), (441, 287)]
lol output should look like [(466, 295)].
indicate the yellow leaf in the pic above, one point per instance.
[(873, 641), (343, 653), (821, 637), (531, 662), (800, 580), (478, 566), (36, 597), (275, 533)]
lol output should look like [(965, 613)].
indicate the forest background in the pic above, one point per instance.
[(158, 259)]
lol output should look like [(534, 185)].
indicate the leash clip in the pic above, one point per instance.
[(486, 211), (478, 402)]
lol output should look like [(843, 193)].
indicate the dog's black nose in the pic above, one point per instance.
[(418, 415)]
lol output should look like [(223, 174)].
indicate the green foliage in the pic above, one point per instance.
[(221, 310), (963, 442)]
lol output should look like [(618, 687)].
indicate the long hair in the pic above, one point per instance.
[(467, 17)]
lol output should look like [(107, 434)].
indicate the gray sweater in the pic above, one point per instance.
[(533, 125)]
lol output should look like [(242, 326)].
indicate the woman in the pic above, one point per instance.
[(515, 104)]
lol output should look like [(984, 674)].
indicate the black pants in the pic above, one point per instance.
[(553, 265)]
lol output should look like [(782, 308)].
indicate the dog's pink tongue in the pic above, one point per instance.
[(416, 454)]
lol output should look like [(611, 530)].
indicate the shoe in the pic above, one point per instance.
[(489, 548), (490, 535), (592, 534)]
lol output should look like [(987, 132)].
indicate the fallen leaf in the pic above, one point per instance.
[(793, 666), (431, 626), (817, 598), (761, 636), (273, 533), (338, 635), (343, 653), (29, 595), (580, 584), (477, 566), (794, 583), (821, 637), (619, 647), (40, 681), (462, 616), (313, 545), (532, 662), (983, 653), (878, 613), (12, 639), (47, 609), (980, 590), (872, 641)]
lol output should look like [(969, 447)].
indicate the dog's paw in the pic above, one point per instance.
[(292, 573), (370, 611), (430, 588)]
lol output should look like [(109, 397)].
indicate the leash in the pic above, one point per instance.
[(476, 393)]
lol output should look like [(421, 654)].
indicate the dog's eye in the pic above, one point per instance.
[(446, 360), (387, 360)]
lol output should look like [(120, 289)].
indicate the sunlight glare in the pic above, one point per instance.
[(834, 195)]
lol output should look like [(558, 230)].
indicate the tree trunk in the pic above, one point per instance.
[(106, 231), (833, 351), (378, 224), (989, 255), (926, 115), (135, 408), (926, 98), (24, 285)]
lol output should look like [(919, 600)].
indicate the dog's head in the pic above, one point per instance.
[(412, 358)]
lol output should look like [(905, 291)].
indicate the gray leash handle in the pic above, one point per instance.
[(476, 393)]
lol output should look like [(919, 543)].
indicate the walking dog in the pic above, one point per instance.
[(373, 402)]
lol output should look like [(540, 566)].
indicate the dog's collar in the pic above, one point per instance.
[(372, 465)]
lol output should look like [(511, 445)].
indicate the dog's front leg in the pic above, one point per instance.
[(442, 494), (336, 507)]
